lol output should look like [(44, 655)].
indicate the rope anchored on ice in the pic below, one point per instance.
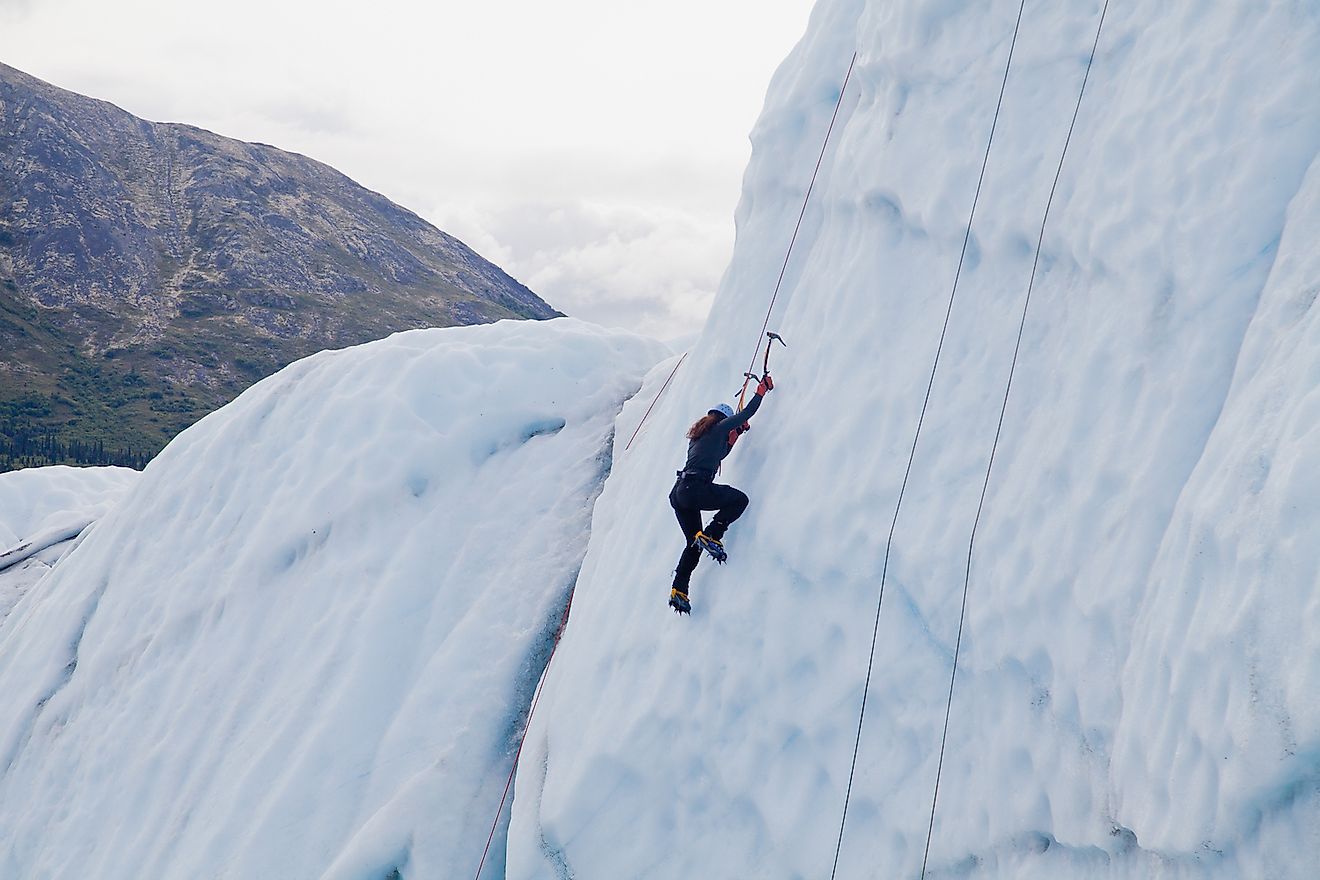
[(694, 491), (916, 436), (994, 446), (658, 395), (522, 738)]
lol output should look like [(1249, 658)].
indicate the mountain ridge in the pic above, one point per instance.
[(161, 258)]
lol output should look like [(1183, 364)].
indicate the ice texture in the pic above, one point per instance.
[(1138, 693), (42, 511), (304, 643), (35, 500)]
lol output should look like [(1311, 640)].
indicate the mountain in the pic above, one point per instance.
[(149, 272)]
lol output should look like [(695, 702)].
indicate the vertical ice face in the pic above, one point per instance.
[(303, 642), (1138, 679)]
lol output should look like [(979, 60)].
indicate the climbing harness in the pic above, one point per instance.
[(921, 419), (1008, 387)]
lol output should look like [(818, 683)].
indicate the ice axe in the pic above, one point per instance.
[(770, 340)]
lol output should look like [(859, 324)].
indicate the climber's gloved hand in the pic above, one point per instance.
[(738, 432), (767, 384)]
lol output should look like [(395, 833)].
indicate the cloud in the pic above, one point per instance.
[(650, 269), (14, 11), (309, 115), (602, 173)]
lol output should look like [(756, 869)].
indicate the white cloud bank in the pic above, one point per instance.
[(594, 149)]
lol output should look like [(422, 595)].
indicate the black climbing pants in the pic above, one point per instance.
[(689, 497)]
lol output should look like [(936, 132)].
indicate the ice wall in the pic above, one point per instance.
[(1137, 688), (303, 643)]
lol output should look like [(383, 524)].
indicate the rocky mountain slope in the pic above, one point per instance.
[(149, 272)]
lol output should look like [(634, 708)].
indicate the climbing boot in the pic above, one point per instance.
[(678, 601), (712, 546)]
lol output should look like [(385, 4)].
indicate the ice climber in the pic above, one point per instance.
[(710, 440)]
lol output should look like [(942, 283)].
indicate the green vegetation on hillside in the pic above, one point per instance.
[(59, 407)]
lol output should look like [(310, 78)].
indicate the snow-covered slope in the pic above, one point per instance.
[(42, 510), (1138, 692), (303, 642), (37, 500)]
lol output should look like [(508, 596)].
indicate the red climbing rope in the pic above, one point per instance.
[(522, 738), (654, 402)]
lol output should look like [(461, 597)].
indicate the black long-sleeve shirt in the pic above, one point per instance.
[(707, 451)]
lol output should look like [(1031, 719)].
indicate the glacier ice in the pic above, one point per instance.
[(1140, 669), (303, 642)]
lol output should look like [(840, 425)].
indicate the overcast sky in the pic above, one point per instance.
[(592, 148)]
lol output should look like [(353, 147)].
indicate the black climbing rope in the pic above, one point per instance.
[(912, 454), (1008, 386)]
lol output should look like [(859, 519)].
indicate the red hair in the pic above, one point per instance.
[(704, 424)]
